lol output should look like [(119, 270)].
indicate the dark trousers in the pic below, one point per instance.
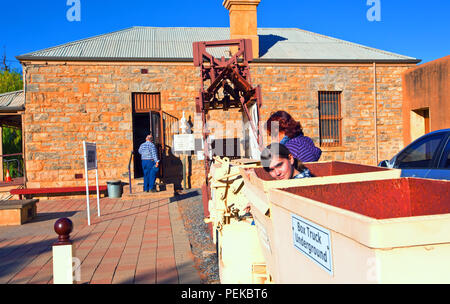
[(150, 172)]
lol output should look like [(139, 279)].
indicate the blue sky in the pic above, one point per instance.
[(415, 28)]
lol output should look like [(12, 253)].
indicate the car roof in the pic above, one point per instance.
[(419, 138), (428, 134), (439, 131)]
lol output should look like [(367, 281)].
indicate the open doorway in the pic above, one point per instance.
[(148, 118), (144, 124), (420, 122)]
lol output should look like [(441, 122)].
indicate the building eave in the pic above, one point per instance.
[(257, 60)]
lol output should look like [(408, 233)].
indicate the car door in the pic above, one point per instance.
[(443, 169), (421, 156)]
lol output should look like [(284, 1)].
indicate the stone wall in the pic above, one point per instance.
[(295, 89), (427, 87), (69, 102)]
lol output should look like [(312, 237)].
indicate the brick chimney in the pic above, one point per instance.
[(243, 23)]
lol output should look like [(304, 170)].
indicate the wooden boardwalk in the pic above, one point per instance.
[(140, 241)]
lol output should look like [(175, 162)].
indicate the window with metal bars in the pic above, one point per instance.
[(330, 120)]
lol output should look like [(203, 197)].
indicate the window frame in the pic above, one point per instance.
[(324, 97), (445, 154), (144, 102)]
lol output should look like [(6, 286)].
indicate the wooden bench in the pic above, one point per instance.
[(17, 212), (62, 191)]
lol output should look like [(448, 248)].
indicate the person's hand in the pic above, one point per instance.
[(247, 208), (157, 164)]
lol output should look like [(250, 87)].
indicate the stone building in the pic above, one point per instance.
[(348, 97)]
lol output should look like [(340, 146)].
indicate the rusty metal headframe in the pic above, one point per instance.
[(226, 83)]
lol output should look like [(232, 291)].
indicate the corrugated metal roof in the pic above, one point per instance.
[(175, 43), (12, 100)]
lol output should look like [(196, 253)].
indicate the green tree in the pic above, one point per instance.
[(12, 143), (10, 81)]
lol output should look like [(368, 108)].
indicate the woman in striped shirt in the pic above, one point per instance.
[(290, 134)]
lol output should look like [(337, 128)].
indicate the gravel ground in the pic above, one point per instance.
[(203, 248)]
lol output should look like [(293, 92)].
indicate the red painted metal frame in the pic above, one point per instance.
[(233, 76), (383, 199)]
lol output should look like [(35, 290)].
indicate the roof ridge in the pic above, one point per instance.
[(191, 27)]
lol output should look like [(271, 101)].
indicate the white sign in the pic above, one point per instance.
[(91, 155), (90, 162), (183, 142), (313, 241), (200, 155)]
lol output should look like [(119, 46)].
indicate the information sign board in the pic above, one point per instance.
[(90, 163), (313, 241), (183, 142), (91, 155)]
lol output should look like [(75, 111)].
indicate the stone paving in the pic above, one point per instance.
[(139, 241)]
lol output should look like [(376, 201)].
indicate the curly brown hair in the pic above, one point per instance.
[(287, 124)]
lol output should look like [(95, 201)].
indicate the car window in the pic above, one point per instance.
[(446, 156), (419, 154)]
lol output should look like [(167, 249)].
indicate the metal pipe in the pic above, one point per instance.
[(129, 171), (183, 161), (375, 110), (24, 68), (14, 154)]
